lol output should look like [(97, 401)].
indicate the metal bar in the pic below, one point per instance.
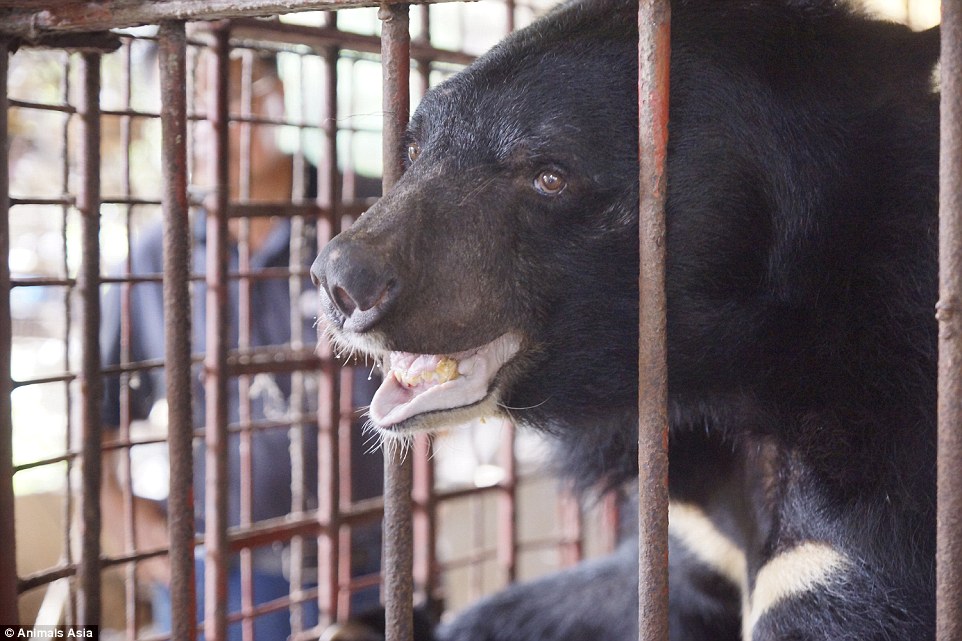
[(949, 314), (67, 512), (653, 65), (329, 390), (217, 553), (91, 382), (8, 558), (126, 471), (172, 60), (244, 341), (398, 473), (267, 210), (298, 250), (101, 42), (321, 38), (426, 573), (344, 470), (508, 506), (40, 106), (32, 25), (571, 547)]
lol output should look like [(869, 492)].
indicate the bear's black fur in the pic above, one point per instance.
[(801, 284)]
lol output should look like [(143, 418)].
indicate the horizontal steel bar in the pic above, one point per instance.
[(288, 209), (97, 42), (50, 575), (62, 201), (33, 25), (321, 38), (40, 106)]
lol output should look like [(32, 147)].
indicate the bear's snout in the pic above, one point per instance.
[(359, 282)]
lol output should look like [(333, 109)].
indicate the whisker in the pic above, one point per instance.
[(529, 407)]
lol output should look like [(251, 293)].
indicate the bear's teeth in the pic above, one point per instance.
[(446, 370)]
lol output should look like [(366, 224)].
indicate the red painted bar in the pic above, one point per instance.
[(425, 522), (653, 66), (125, 472), (508, 506), (329, 491), (172, 59), (949, 534), (216, 550)]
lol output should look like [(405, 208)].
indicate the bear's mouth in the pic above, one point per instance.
[(419, 384)]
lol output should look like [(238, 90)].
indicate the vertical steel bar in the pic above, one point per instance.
[(426, 571), (508, 506), (298, 249), (172, 60), (217, 552), (244, 341), (8, 558), (91, 383), (344, 530), (398, 473), (126, 471), (949, 537), (329, 392), (69, 494), (653, 67), (425, 520), (572, 530)]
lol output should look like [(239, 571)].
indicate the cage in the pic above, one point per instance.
[(89, 94)]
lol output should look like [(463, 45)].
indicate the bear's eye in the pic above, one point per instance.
[(414, 150), (550, 182)]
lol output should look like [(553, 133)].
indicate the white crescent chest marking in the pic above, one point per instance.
[(798, 570)]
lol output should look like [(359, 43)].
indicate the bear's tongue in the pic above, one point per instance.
[(419, 383)]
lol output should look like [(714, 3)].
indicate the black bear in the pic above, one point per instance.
[(500, 276)]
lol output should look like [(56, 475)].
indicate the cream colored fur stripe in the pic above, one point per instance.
[(702, 539), (801, 569), (796, 571)]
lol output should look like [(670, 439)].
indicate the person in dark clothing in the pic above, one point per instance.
[(269, 242)]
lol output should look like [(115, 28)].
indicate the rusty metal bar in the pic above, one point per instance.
[(322, 38), (8, 559), (245, 444), (67, 513), (345, 530), (33, 25), (426, 574), (216, 550), (329, 389), (91, 382), (508, 506), (172, 60), (126, 468), (571, 547), (949, 314), (292, 210), (397, 559), (296, 249), (653, 66), (97, 42), (425, 567)]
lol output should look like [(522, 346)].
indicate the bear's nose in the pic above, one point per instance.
[(360, 283)]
